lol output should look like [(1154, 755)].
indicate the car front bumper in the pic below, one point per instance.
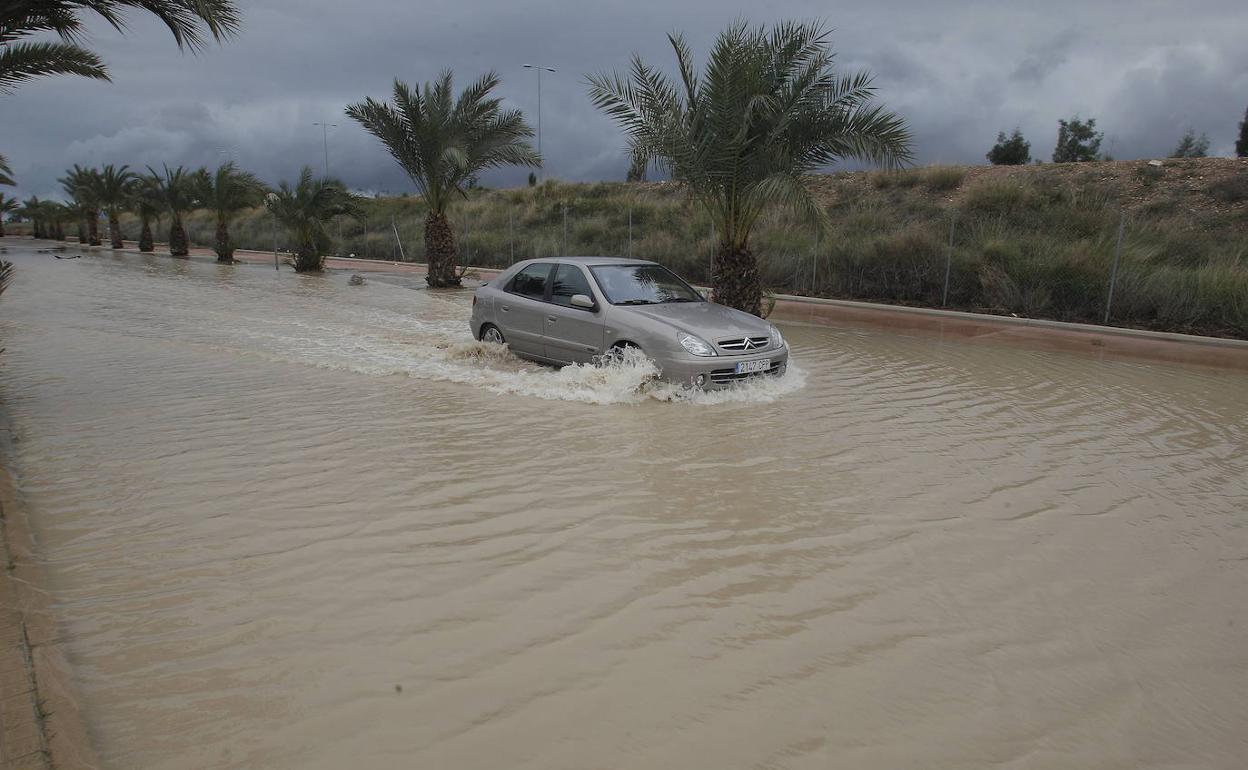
[(711, 372)]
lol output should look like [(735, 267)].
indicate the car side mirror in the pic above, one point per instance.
[(582, 300)]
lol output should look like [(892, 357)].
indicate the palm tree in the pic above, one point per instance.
[(442, 143), (22, 60), (146, 200), (113, 193), (228, 192), (32, 209), (7, 206), (304, 211), (6, 173), (179, 191), (82, 185), (767, 112), (54, 216)]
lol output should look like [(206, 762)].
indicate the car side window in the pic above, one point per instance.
[(531, 281), (569, 280)]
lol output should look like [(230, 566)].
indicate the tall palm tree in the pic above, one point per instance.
[(32, 209), (227, 192), (22, 59), (112, 188), (443, 143), (7, 206), (179, 191), (82, 185), (146, 200), (305, 211), (744, 135)]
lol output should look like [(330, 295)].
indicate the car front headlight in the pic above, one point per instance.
[(777, 339), (695, 345)]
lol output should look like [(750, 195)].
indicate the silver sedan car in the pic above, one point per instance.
[(567, 310)]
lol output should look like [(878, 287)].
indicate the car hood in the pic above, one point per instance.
[(705, 319)]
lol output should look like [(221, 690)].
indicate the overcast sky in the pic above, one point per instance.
[(958, 71)]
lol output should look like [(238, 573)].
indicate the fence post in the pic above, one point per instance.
[(630, 232), (511, 240), (712, 233), (395, 226), (953, 221), (1113, 273), (565, 228), (814, 261)]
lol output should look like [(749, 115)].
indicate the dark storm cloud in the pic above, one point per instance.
[(958, 72)]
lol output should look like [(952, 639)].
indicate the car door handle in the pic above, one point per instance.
[(506, 308), (551, 318)]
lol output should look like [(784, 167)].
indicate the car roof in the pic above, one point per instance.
[(595, 260)]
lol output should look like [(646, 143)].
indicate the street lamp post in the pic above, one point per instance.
[(541, 170), (325, 139)]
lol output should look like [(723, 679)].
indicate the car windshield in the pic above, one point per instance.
[(642, 285)]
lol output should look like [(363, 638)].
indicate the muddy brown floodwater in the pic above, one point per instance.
[(291, 523)]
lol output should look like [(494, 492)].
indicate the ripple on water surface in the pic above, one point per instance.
[(266, 500)]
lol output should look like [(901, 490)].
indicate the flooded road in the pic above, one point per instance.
[(292, 523)]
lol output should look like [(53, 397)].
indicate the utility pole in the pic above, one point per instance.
[(541, 170), (325, 140)]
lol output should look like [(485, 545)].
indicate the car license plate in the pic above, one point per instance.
[(750, 367)]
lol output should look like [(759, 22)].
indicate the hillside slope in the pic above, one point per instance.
[(1034, 241)]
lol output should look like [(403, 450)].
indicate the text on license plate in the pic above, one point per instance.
[(750, 367)]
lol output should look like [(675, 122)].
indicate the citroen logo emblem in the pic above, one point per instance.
[(749, 344)]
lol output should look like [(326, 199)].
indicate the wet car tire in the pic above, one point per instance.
[(492, 335)]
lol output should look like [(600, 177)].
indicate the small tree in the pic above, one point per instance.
[(228, 192), (442, 141), (745, 134), (7, 206), (532, 179), (113, 193), (1078, 141), (305, 210), (1191, 147), (1013, 150), (179, 191), (1241, 144), (82, 186), (146, 200)]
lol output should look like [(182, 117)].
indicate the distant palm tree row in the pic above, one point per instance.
[(304, 208)]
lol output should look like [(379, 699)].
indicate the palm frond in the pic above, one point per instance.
[(24, 61)]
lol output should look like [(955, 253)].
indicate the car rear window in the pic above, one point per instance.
[(531, 281)]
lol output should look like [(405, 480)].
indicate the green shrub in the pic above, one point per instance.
[(1232, 189), (941, 178)]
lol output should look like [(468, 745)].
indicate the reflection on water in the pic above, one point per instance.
[(293, 523)]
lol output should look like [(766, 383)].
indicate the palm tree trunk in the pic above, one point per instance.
[(225, 250), (440, 252), (82, 232), (58, 231), (308, 258), (93, 228), (178, 246), (146, 244), (114, 231), (735, 280), (1, 225)]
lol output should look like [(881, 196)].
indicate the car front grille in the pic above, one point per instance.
[(729, 376), (742, 344)]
